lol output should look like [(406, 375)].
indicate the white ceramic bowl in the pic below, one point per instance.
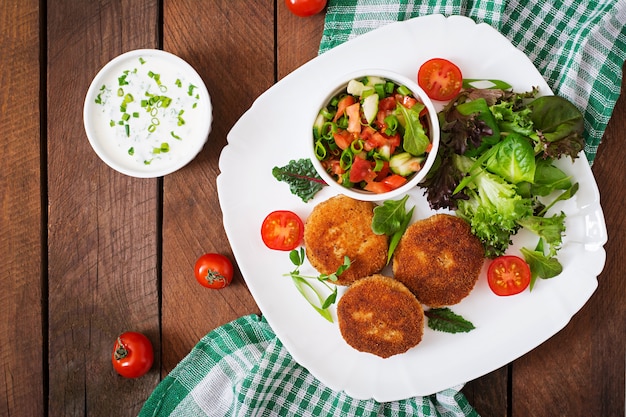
[(433, 128), (147, 113)]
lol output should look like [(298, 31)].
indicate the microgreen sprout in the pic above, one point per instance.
[(320, 302)]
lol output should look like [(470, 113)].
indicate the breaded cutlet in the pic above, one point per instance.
[(380, 315), (439, 260), (342, 226)]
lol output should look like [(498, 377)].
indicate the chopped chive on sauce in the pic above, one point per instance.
[(142, 112)]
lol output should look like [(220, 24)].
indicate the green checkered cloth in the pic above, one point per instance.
[(242, 369), (579, 46)]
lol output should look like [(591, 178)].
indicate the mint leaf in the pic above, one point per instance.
[(303, 179), (444, 320)]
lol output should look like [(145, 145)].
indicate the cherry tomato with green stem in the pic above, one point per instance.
[(132, 355), (213, 270)]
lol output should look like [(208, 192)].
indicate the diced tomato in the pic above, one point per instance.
[(342, 105), (333, 166), (408, 102), (361, 170), (354, 117), (377, 187), (384, 172), (387, 104), (394, 181), (343, 139)]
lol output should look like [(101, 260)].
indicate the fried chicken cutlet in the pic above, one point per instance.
[(439, 260), (342, 226), (380, 315)]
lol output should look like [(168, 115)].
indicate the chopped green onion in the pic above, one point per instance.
[(120, 92), (404, 90), (122, 79), (320, 150), (345, 161), (380, 90), (178, 83), (190, 91), (175, 136), (328, 130), (327, 114), (131, 151), (127, 130), (356, 146), (125, 117), (165, 147), (142, 61)]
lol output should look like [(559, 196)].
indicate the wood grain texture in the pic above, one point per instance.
[(232, 48), (21, 341), (102, 231)]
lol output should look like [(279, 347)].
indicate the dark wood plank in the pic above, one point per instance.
[(489, 394), (580, 371), (298, 38), (231, 45), (21, 342), (102, 225)]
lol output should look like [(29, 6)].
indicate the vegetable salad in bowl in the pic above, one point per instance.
[(376, 136)]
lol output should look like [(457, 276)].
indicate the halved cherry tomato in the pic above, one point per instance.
[(213, 270), (508, 275), (132, 355), (440, 79), (305, 8), (282, 230)]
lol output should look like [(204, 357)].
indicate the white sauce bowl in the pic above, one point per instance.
[(147, 113)]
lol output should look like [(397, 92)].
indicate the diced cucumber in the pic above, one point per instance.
[(405, 164), (370, 107), (317, 126), (373, 80), (356, 88)]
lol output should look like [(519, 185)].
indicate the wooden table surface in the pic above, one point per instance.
[(88, 253)]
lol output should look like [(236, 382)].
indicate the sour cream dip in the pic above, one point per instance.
[(147, 113)]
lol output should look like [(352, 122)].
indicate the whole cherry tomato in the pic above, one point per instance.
[(214, 270), (305, 8), (132, 355)]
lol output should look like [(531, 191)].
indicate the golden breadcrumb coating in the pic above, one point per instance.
[(380, 315), (439, 260), (342, 226)]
